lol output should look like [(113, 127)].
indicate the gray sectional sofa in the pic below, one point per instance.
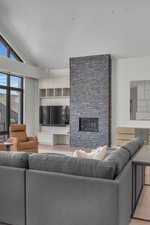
[(51, 189)]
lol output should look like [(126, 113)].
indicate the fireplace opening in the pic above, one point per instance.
[(88, 124)]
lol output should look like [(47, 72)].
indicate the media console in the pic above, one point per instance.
[(54, 135)]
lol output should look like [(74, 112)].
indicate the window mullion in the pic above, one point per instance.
[(8, 52), (8, 103)]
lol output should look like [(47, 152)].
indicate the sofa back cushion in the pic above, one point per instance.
[(70, 165), (14, 159), (119, 157), (133, 146)]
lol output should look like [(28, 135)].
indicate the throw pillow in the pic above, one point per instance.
[(98, 154)]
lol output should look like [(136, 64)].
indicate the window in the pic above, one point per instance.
[(12, 56), (11, 102), (3, 79), (3, 49), (15, 109), (6, 50), (15, 81), (3, 119), (140, 100)]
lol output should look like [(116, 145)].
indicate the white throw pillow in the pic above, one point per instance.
[(82, 154), (98, 153)]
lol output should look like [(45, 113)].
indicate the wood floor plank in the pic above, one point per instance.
[(138, 222)]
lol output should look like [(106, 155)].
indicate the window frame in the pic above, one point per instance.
[(10, 50), (8, 89)]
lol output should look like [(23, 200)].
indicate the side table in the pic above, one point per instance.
[(8, 145)]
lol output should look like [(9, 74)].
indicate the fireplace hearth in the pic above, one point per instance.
[(88, 124)]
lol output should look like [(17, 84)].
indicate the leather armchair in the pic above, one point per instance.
[(21, 142)]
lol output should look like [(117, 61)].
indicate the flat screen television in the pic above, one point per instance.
[(54, 115)]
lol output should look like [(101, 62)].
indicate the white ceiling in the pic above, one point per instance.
[(47, 32)]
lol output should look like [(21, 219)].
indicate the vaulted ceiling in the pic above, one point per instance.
[(47, 32)]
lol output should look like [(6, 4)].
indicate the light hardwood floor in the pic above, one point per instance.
[(138, 222), (143, 208)]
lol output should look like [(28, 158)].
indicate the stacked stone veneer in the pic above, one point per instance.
[(90, 82)]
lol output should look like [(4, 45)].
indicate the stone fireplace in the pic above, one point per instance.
[(90, 101)]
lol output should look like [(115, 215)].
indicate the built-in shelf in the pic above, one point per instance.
[(58, 92), (54, 92), (50, 92), (52, 135), (66, 91), (42, 92), (55, 97)]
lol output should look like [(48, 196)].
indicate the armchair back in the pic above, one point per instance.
[(18, 131)]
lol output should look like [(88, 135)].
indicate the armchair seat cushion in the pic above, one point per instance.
[(26, 145)]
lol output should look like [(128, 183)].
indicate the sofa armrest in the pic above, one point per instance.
[(12, 195), (33, 138), (125, 194)]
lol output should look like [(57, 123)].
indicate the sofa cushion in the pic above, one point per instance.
[(70, 165), (119, 156), (133, 146), (14, 159)]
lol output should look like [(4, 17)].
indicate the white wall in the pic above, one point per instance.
[(21, 69), (56, 79), (124, 71)]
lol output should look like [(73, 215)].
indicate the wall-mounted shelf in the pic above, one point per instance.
[(54, 135), (54, 92)]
